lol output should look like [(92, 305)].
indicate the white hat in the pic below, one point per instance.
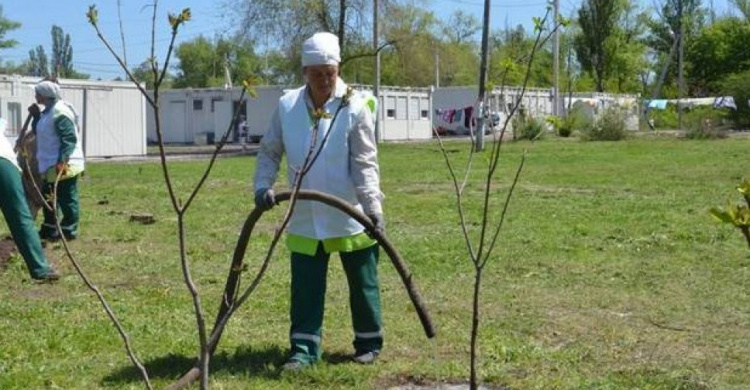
[(321, 49), (48, 89)]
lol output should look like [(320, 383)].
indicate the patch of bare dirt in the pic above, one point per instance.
[(7, 249), (408, 382)]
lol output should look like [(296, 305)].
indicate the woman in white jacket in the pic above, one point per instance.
[(327, 114), (59, 153)]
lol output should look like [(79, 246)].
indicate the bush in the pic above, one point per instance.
[(609, 126), (529, 128), (564, 125), (706, 123), (738, 86), (664, 119)]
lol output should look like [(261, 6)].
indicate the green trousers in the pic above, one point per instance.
[(21, 224), (67, 205), (308, 301)]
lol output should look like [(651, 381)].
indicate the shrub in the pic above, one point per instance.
[(530, 129), (706, 122), (664, 119), (564, 125), (608, 126)]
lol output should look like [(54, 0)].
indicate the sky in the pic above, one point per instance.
[(91, 57)]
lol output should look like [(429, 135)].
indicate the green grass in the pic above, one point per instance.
[(609, 274)]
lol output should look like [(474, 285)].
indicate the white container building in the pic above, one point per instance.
[(112, 114), (203, 115)]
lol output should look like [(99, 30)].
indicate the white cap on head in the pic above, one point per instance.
[(48, 89), (321, 49)]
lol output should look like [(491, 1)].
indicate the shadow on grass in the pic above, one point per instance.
[(264, 362)]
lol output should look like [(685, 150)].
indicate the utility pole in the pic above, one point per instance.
[(479, 133), (680, 80), (437, 68), (376, 90), (556, 62)]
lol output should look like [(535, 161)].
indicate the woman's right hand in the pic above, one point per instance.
[(34, 110)]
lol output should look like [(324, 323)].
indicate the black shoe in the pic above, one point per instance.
[(366, 357), (49, 236), (48, 277)]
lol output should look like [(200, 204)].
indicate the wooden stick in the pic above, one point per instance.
[(235, 270)]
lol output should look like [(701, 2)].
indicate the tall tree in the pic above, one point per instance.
[(38, 63), (719, 51), (411, 59), (458, 49), (461, 27), (62, 58), (629, 60), (743, 6), (288, 23), (510, 49), (202, 62), (5, 26), (62, 53), (665, 26), (597, 20)]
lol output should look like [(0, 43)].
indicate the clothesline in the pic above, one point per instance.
[(716, 102)]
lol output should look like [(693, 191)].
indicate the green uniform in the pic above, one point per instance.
[(19, 219), (309, 272)]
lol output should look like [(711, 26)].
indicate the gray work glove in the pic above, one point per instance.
[(378, 220), (265, 199)]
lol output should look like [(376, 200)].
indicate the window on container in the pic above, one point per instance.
[(390, 107), (197, 104), (15, 113), (424, 104)]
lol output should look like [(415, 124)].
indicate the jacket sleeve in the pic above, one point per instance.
[(363, 163), (66, 130), (269, 155)]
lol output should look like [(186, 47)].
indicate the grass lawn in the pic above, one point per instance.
[(610, 274)]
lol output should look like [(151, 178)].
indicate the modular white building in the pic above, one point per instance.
[(203, 115), (405, 114), (112, 114)]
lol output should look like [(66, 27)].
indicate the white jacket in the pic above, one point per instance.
[(48, 142), (347, 166)]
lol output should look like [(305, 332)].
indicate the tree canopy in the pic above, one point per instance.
[(62, 58)]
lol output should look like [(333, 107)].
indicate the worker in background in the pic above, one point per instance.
[(59, 153), (17, 214)]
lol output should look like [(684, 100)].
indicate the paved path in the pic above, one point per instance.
[(183, 152)]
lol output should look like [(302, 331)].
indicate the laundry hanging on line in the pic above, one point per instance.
[(725, 102), (455, 115)]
